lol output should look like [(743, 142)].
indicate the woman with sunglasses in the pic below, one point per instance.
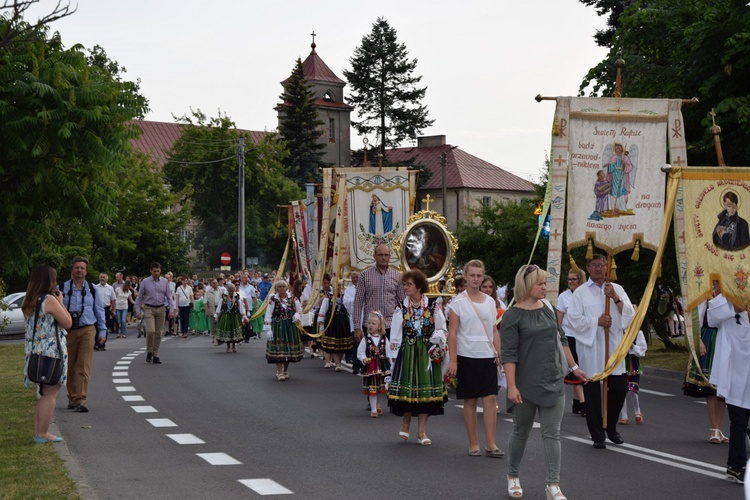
[(529, 334)]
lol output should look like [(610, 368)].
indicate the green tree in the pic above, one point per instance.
[(683, 50), (13, 29), (385, 90), (300, 126), (203, 166), (65, 131)]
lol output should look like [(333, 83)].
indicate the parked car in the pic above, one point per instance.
[(11, 317)]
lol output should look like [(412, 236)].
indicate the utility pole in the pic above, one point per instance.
[(241, 198)]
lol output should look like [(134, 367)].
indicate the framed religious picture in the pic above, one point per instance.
[(427, 246)]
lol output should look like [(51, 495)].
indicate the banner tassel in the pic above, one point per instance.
[(590, 249), (613, 271), (573, 266), (636, 251)]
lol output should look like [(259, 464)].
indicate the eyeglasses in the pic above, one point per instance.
[(572, 279), (598, 266), (529, 269), (408, 283)]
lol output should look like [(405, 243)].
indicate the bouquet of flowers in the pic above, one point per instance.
[(436, 354)]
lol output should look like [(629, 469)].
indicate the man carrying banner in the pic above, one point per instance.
[(586, 314)]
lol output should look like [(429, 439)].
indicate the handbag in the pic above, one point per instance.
[(501, 380), (564, 368), (44, 369)]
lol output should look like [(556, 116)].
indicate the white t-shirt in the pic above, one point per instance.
[(472, 340), (122, 298), (184, 294), (563, 301)]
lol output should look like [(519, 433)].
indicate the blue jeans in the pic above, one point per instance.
[(523, 421), (123, 324)]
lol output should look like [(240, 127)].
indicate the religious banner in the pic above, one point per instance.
[(616, 187), (300, 234), (378, 206), (717, 238)]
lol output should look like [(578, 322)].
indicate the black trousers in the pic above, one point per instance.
[(617, 389), (738, 419)]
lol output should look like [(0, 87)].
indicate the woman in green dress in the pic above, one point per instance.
[(198, 320), (284, 344), (230, 312), (417, 385)]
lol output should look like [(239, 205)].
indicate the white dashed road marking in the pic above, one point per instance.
[(265, 487), (125, 388), (186, 439), (120, 380), (161, 422), (219, 459), (144, 409), (656, 393), (133, 398)]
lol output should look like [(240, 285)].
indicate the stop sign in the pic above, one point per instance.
[(226, 258)]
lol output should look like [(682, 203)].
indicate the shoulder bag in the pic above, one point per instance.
[(44, 369)]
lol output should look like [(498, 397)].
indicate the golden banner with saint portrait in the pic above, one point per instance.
[(717, 239), (616, 187)]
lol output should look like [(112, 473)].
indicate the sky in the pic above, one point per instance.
[(482, 61)]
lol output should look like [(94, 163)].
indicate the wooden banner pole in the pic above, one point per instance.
[(606, 346)]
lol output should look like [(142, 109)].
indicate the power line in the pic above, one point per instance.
[(202, 162)]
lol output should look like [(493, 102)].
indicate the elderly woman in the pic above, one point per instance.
[(575, 279), (533, 366), (230, 312), (46, 320), (474, 352), (284, 345), (417, 386)]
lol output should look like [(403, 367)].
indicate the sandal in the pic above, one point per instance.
[(380, 410), (717, 437), (625, 421), (553, 492), (494, 453), (403, 435), (514, 488), (424, 441), (475, 453), (638, 418), (374, 414)]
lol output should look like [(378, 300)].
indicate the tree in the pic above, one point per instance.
[(65, 130), (300, 126), (683, 50), (203, 166), (13, 30), (384, 88)]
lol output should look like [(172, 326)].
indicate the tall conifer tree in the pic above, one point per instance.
[(385, 90), (300, 126)]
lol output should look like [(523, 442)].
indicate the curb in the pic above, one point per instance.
[(75, 471)]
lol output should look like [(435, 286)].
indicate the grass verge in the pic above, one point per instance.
[(657, 356), (29, 470)]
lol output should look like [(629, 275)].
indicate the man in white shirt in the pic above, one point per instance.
[(588, 320), (108, 299)]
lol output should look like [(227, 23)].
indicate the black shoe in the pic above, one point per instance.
[(736, 475), (615, 437), (156, 360), (102, 348), (576, 407), (600, 445), (82, 408), (96, 347), (71, 405), (149, 357)]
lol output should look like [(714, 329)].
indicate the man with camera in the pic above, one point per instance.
[(80, 299)]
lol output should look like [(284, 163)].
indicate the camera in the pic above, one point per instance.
[(76, 319)]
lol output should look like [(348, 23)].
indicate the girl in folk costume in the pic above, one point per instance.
[(417, 343), (337, 328), (634, 370), (284, 345), (372, 353), (230, 312)]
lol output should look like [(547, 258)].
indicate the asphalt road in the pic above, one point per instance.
[(207, 424)]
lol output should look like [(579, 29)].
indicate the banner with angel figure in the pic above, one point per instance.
[(616, 187), (717, 237), (379, 203)]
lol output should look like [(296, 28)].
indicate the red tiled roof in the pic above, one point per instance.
[(462, 170), (159, 137), (316, 70)]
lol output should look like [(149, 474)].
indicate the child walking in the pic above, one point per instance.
[(634, 370), (372, 353)]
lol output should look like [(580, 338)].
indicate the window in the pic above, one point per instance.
[(331, 130), (486, 201), (328, 96)]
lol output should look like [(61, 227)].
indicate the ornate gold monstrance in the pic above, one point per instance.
[(427, 245)]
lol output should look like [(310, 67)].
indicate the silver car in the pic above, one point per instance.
[(12, 321)]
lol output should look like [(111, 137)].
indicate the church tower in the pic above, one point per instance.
[(332, 110)]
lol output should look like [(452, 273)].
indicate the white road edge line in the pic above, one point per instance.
[(655, 393), (625, 451)]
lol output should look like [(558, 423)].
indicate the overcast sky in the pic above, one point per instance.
[(483, 61)]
